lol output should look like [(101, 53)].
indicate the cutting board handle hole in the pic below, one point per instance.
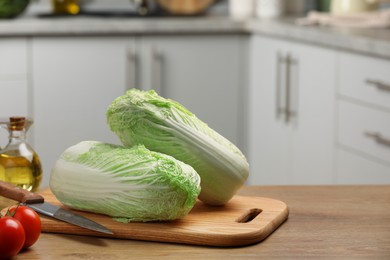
[(249, 215)]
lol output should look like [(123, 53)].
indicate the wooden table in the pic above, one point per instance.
[(335, 222)]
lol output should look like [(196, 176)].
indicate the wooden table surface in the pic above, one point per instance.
[(332, 222)]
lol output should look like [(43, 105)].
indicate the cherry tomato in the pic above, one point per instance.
[(12, 237), (30, 221)]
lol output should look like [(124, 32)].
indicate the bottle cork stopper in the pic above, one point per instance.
[(17, 122)]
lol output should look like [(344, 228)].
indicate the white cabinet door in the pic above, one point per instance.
[(291, 113), (13, 61), (203, 73), (74, 81), (14, 86), (13, 102), (13, 98), (13, 77), (313, 127), (269, 136)]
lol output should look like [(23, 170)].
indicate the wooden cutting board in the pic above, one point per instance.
[(242, 221)]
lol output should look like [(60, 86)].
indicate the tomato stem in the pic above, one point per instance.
[(11, 214)]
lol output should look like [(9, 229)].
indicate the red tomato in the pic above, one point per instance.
[(12, 237), (31, 223)]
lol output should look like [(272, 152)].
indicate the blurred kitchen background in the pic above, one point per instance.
[(302, 87)]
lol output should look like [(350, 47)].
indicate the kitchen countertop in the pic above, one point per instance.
[(87, 25), (336, 222), (374, 42)]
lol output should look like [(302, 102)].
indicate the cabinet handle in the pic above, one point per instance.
[(288, 111), (279, 62), (380, 85), (132, 68), (288, 89), (156, 70), (378, 138)]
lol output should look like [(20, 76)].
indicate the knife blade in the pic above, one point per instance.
[(37, 203)]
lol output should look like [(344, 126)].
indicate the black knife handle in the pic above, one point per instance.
[(15, 193)]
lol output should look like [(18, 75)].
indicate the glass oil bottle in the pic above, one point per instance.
[(19, 163)]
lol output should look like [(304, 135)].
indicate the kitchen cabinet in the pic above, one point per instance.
[(202, 73), (14, 98), (13, 62), (13, 77), (291, 120), (76, 78), (363, 115), (74, 81), (14, 87)]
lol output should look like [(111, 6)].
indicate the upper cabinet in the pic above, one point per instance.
[(76, 78), (291, 112)]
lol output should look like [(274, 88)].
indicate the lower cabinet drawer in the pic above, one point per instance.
[(365, 78), (364, 129), (355, 169)]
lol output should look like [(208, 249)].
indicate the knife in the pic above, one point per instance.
[(37, 203)]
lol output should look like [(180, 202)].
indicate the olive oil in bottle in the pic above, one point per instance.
[(19, 163), (69, 7)]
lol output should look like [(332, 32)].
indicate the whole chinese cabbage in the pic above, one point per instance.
[(165, 126), (129, 184)]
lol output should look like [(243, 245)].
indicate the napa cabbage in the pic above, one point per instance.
[(129, 184), (165, 126)]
